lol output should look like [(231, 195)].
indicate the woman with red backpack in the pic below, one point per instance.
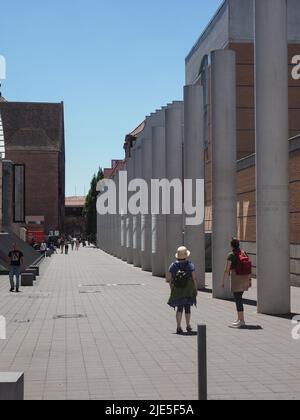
[(239, 268)]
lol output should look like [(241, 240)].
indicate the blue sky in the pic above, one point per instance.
[(112, 62)]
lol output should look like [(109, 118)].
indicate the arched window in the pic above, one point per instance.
[(2, 143)]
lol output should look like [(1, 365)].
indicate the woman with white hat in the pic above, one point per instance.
[(183, 284)]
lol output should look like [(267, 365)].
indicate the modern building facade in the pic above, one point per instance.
[(238, 127), (232, 28)]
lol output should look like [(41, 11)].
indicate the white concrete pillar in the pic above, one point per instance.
[(174, 170), (158, 220), (194, 168), (114, 228), (129, 219), (146, 235), (272, 157), (224, 157), (123, 229), (137, 219), (118, 252)]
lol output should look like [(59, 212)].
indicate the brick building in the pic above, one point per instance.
[(34, 137), (74, 218)]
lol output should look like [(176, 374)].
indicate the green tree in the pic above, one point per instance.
[(90, 208)]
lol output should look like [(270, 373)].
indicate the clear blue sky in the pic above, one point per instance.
[(112, 62)]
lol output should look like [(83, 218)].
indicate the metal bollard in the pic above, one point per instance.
[(202, 363)]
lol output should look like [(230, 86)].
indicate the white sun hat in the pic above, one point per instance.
[(182, 253)]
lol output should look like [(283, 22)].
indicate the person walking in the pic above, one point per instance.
[(72, 243), (15, 260), (62, 245), (43, 249), (183, 284), (239, 269), (77, 244), (66, 247)]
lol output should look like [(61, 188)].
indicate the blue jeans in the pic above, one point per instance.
[(14, 271)]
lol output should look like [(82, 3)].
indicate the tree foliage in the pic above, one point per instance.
[(90, 208)]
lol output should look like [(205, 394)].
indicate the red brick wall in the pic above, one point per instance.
[(42, 184)]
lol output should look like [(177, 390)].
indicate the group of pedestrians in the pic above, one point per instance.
[(65, 243), (182, 278), (184, 290)]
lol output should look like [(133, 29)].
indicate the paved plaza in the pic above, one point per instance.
[(94, 327)]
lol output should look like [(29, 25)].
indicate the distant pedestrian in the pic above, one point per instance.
[(15, 260), (43, 249), (72, 244), (239, 268), (62, 245), (77, 244), (66, 247), (183, 284)]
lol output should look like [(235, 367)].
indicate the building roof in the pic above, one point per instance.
[(34, 126), (75, 201)]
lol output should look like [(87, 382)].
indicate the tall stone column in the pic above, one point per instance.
[(272, 157), (137, 219), (1, 213), (129, 219), (194, 168), (118, 220), (123, 229), (158, 220), (224, 157), (146, 235), (174, 170), (114, 228)]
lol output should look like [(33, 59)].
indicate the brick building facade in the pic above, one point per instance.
[(34, 137)]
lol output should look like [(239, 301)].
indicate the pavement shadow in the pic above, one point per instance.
[(186, 334), (248, 327), (252, 327), (290, 316)]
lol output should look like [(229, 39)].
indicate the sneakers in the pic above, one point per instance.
[(12, 290), (189, 329), (179, 331), (238, 324)]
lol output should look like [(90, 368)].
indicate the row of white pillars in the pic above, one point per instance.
[(174, 148), (150, 241)]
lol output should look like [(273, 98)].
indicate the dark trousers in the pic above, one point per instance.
[(239, 301), (186, 308)]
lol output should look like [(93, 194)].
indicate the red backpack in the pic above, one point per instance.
[(243, 264)]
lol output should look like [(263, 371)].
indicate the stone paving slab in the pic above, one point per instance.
[(94, 327)]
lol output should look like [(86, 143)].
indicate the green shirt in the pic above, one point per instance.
[(233, 259)]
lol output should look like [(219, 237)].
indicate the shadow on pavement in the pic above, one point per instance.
[(185, 334)]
